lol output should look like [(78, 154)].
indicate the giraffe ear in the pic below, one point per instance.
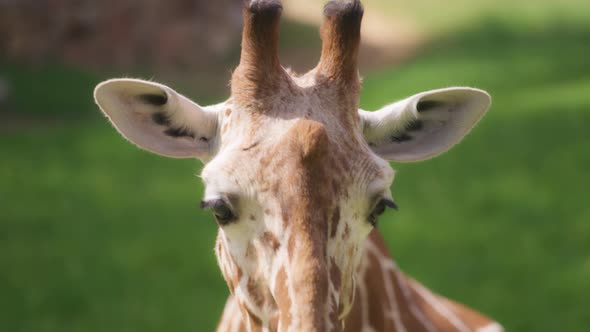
[(157, 118), (424, 125)]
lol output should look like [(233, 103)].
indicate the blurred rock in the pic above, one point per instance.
[(175, 33)]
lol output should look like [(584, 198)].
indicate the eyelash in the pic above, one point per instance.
[(379, 209), (221, 209), (224, 214)]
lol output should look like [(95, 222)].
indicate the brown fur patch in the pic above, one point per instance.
[(335, 274), (312, 139), (269, 239), (237, 277), (333, 315), (255, 321), (282, 296), (254, 292), (274, 323), (291, 246), (250, 251), (346, 234)]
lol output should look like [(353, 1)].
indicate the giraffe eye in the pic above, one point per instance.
[(223, 214), (379, 209), (221, 210)]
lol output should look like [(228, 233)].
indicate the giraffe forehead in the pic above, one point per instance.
[(287, 149), (291, 156), (304, 97), (307, 142)]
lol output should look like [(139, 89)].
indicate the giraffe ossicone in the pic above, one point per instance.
[(297, 175)]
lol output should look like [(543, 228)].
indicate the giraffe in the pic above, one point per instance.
[(296, 176)]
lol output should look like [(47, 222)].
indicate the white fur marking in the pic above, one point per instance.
[(493, 327), (395, 315), (441, 309), (418, 313)]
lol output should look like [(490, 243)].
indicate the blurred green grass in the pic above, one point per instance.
[(501, 222), (96, 235), (438, 18)]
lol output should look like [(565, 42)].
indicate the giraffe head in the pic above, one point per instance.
[(296, 175)]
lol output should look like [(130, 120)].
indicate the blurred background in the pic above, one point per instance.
[(96, 235)]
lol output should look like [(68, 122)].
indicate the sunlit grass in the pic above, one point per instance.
[(438, 18)]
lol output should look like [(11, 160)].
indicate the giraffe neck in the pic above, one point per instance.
[(388, 300)]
